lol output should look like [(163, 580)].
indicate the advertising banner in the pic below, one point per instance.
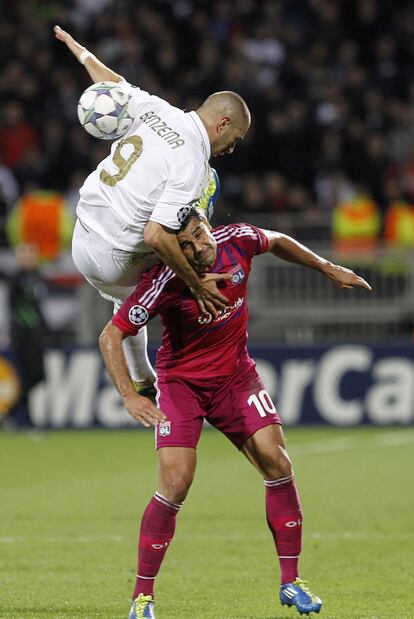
[(341, 384)]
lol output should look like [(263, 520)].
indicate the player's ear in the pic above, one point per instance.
[(223, 123)]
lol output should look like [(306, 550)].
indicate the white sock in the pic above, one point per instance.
[(135, 349)]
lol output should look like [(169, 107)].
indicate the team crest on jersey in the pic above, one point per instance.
[(237, 274), (164, 428), (138, 315)]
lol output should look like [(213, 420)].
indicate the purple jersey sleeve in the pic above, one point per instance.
[(261, 245), (253, 239), (149, 298)]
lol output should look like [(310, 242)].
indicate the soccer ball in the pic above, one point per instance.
[(105, 110)]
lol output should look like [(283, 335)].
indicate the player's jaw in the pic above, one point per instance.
[(198, 246), (203, 259), (227, 140)]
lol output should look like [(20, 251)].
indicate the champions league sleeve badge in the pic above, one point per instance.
[(138, 315)]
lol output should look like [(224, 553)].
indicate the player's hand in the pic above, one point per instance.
[(143, 410), (345, 278), (65, 37), (207, 295)]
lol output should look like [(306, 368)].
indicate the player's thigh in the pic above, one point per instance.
[(176, 468), (114, 272), (86, 252), (266, 450), (179, 400), (240, 406)]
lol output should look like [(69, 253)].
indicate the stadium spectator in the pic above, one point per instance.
[(327, 82), (204, 371), (41, 219), (17, 136), (356, 223), (28, 328)]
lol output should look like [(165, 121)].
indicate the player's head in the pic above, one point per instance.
[(196, 241), (227, 118)]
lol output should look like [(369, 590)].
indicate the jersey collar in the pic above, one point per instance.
[(202, 130)]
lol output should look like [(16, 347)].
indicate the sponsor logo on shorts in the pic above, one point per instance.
[(164, 428), (138, 315)]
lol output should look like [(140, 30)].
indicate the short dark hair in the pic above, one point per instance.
[(193, 213)]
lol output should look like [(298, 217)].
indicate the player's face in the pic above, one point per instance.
[(198, 245), (227, 136)]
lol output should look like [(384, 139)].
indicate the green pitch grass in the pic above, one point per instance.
[(70, 506)]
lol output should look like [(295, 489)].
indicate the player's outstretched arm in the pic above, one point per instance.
[(96, 69), (285, 247), (140, 408), (204, 289)]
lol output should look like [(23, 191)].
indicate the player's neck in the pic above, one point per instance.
[(207, 125)]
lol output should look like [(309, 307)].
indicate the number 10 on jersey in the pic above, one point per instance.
[(263, 403)]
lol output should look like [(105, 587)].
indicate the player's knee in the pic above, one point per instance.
[(277, 464), (177, 483)]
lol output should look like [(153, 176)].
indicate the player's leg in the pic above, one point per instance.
[(266, 450), (115, 274), (176, 441), (176, 467), (243, 410)]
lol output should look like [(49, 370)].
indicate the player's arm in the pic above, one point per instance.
[(140, 408), (164, 242), (96, 69), (285, 247)]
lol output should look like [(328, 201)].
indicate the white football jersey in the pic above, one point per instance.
[(154, 172)]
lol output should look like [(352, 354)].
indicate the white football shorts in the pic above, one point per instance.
[(114, 272)]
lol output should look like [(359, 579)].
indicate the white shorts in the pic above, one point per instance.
[(114, 272)]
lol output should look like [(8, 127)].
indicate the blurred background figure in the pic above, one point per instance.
[(42, 219), (28, 327)]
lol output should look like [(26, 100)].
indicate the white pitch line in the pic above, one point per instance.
[(213, 537), (60, 539), (316, 447), (388, 439), (391, 439), (359, 536)]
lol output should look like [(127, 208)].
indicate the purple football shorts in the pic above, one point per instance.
[(238, 405)]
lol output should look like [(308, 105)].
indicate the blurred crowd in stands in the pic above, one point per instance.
[(330, 85)]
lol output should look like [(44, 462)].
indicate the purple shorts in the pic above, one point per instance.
[(237, 405)]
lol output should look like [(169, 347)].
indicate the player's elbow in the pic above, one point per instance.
[(153, 235), (103, 340), (109, 337)]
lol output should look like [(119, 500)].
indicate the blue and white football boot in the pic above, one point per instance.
[(205, 203), (297, 594), (142, 607)]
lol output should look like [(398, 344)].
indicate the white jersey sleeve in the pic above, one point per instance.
[(178, 195), (140, 99)]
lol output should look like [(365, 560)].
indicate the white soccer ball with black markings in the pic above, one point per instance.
[(105, 110)]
